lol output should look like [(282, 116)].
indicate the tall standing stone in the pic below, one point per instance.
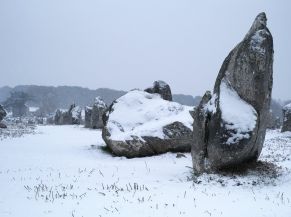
[(230, 125)]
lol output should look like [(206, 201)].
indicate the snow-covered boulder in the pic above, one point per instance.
[(230, 124), (142, 124), (286, 118), (67, 117), (161, 88)]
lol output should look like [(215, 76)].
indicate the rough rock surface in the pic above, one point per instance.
[(162, 88), (230, 125), (286, 118), (142, 124), (72, 116)]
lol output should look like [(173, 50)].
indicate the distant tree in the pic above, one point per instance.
[(16, 102)]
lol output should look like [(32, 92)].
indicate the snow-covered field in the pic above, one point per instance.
[(63, 171)]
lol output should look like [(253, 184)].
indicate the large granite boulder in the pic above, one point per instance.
[(2, 115), (230, 124), (286, 118), (162, 88), (71, 116), (142, 124)]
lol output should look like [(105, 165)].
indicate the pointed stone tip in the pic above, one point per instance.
[(259, 23), (261, 20)]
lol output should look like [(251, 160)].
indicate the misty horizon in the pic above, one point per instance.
[(127, 45)]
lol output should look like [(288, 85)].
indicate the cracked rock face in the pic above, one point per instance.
[(230, 124), (286, 118)]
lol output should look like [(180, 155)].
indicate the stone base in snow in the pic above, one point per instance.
[(148, 146)]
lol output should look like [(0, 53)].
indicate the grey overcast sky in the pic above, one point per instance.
[(124, 44)]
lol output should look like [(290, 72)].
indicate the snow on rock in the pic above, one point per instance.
[(287, 108), (99, 102), (237, 114), (76, 115), (210, 106), (139, 114), (143, 122), (76, 111), (256, 41)]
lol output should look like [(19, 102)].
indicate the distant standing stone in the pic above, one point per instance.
[(286, 118), (94, 114), (71, 116)]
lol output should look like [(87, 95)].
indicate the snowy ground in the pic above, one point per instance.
[(63, 171)]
